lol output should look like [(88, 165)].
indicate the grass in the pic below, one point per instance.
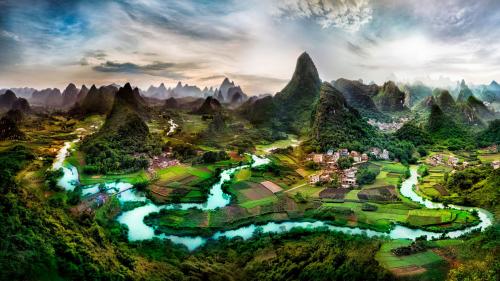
[(383, 179), (307, 191), (391, 167), (264, 148), (381, 219), (390, 261), (488, 158), (352, 195), (243, 174), (139, 176), (429, 217), (259, 202), (287, 159), (180, 171)]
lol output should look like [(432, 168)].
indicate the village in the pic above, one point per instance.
[(451, 161), (389, 126), (330, 170)]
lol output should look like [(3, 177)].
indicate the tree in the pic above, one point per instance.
[(367, 175), (345, 163)]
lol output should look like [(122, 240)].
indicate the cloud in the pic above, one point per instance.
[(194, 19), (157, 68), (212, 77), (96, 54), (10, 35), (349, 15), (357, 50)]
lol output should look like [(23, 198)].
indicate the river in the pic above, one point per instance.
[(138, 230)]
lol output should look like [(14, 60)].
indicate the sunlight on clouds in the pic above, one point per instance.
[(348, 15), (254, 41)]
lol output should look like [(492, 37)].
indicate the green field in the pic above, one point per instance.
[(265, 148), (392, 167), (139, 176), (390, 261), (259, 202), (488, 158), (243, 174), (181, 171), (307, 190)]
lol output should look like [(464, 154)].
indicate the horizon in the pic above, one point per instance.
[(255, 43)]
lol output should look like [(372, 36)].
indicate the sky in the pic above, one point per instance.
[(49, 43)]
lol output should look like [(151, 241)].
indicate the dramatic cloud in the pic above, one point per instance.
[(48, 43), (163, 69), (349, 15)]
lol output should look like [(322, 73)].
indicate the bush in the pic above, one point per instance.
[(368, 207), (141, 186), (367, 175), (51, 178), (214, 156), (345, 162)]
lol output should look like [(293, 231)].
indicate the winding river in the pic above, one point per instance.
[(138, 230)]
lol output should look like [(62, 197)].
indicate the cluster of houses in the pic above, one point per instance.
[(492, 148), (438, 159), (388, 127), (330, 158), (162, 161), (379, 153), (329, 169), (347, 177)]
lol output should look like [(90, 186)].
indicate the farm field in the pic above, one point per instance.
[(430, 186), (421, 264), (489, 157), (386, 214), (181, 183), (266, 148)]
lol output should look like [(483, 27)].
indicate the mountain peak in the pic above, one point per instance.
[(127, 87), (494, 85), (305, 74), (70, 86), (210, 106), (306, 65), (9, 93)]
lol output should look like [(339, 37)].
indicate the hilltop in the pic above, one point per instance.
[(335, 123), (123, 137)]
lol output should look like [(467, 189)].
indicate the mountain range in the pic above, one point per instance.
[(9, 101)]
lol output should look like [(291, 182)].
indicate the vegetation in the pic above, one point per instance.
[(367, 174), (123, 141), (412, 133), (51, 234), (475, 186), (335, 123), (491, 135)]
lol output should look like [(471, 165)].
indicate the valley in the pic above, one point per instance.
[(322, 181)]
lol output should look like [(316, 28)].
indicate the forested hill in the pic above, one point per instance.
[(124, 139), (336, 123)]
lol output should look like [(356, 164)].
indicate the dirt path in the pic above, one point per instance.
[(296, 187)]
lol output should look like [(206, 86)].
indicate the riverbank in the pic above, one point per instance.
[(138, 230)]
